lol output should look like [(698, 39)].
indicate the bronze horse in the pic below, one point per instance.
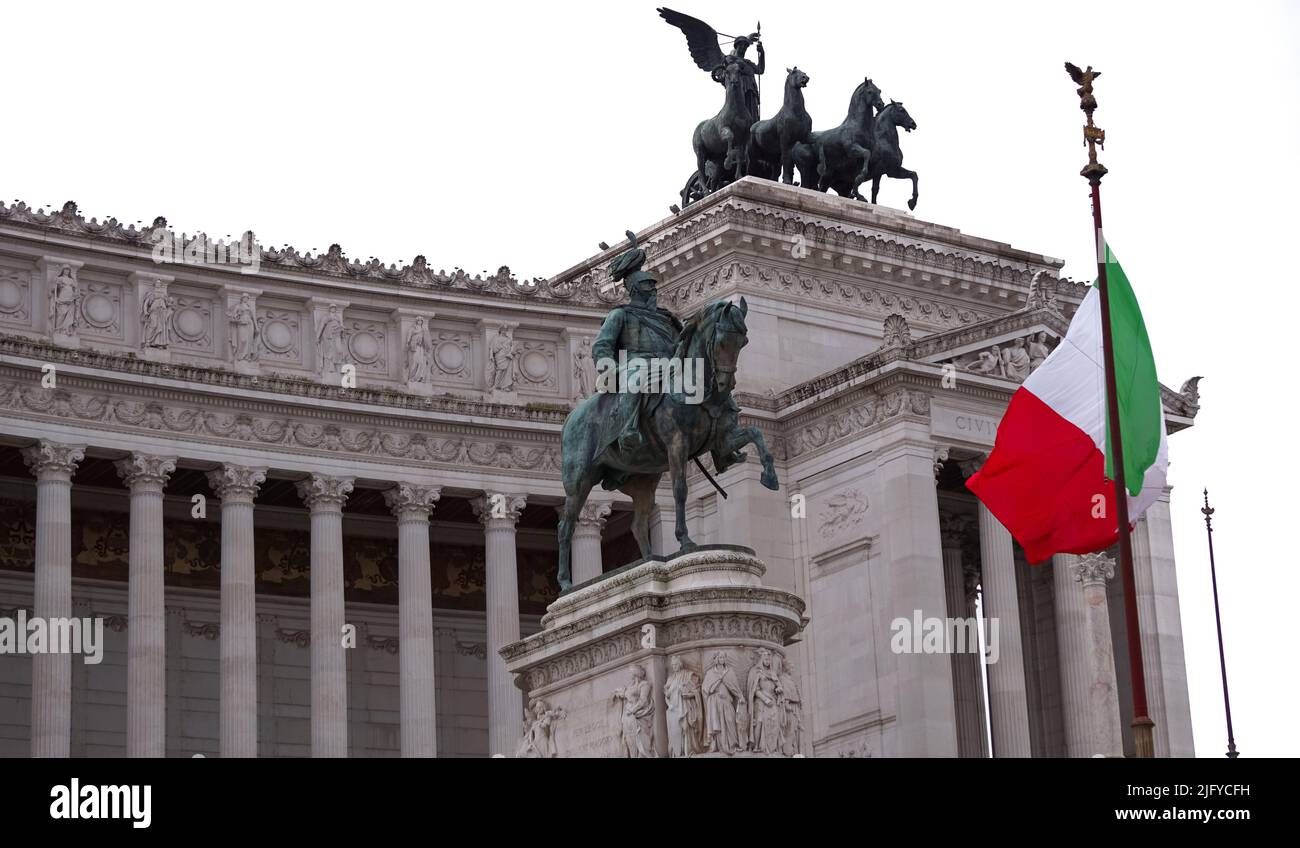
[(772, 141), (677, 430), (833, 158), (886, 159), (720, 142)]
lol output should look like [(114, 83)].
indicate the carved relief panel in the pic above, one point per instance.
[(16, 297), (453, 353), (536, 368), (192, 321), (279, 332), (367, 343)]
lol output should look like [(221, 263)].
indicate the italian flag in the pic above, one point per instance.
[(1048, 477)]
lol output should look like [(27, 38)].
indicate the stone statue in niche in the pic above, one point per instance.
[(1015, 361), (766, 712), (156, 318), (1038, 349), (638, 737), (501, 360), (331, 342), (538, 741), (792, 709), (684, 709), (721, 695), (243, 330), (419, 353), (65, 299), (583, 370)]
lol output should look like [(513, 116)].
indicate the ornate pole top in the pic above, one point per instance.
[(1093, 135)]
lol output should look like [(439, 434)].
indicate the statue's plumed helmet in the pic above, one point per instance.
[(629, 262)]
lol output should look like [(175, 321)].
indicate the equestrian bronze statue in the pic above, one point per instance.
[(647, 418)]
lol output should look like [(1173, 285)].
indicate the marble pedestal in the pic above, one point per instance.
[(594, 677)]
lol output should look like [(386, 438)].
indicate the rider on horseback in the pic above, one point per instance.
[(645, 331)]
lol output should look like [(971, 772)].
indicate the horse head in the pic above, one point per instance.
[(897, 116), (795, 78), (865, 98), (724, 333)]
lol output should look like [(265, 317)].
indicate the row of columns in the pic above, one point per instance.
[(1085, 658), (236, 485)]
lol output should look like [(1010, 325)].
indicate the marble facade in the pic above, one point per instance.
[(325, 405)]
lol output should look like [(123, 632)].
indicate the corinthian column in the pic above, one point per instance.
[(586, 558), (236, 485), (499, 512), (412, 505), (146, 663), (53, 464), (1093, 570), (1008, 700), (329, 692), (1072, 654)]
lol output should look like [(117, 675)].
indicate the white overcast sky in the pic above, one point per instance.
[(491, 133)]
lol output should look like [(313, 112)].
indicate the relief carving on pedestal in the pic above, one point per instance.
[(685, 710), (637, 720), (538, 741)]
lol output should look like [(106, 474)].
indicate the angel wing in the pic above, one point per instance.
[(700, 37), (1075, 73)]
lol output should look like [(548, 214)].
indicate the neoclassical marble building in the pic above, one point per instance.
[(311, 497)]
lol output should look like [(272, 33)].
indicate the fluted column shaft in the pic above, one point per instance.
[(1093, 570), (146, 634), (1072, 654), (53, 464), (587, 562), (967, 697), (237, 485), (1008, 700), (499, 513), (412, 505), (324, 496)]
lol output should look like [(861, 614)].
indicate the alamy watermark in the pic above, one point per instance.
[(921, 635), (201, 250), (36, 635), (659, 374)]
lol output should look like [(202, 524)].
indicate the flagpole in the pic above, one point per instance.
[(1143, 726), (1207, 511)]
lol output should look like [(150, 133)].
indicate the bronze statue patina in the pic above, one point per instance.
[(886, 159), (833, 159), (721, 143), (641, 422), (772, 141)]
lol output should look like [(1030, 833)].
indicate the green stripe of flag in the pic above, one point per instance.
[(1135, 380)]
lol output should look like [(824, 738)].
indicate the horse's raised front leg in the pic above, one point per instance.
[(901, 173), (753, 436)]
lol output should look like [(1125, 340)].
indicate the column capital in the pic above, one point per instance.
[(46, 457), (236, 482), (142, 469), (321, 490), (1094, 569), (970, 466), (952, 528), (411, 499), (498, 507), (592, 515)]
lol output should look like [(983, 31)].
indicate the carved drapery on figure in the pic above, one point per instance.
[(65, 300), (1013, 360), (638, 739), (538, 741), (331, 342), (792, 710), (419, 353), (501, 359), (685, 710), (766, 713), (583, 370), (243, 330), (156, 318), (721, 696)]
